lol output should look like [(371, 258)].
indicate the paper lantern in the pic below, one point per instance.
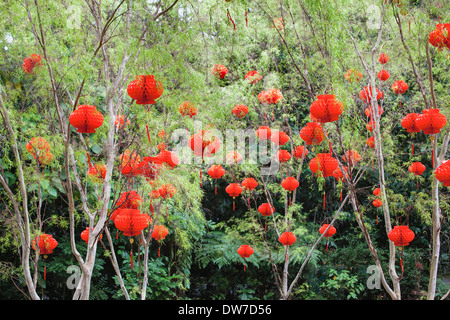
[(159, 233), (327, 233), (264, 133), (245, 251), (253, 77), (326, 108), (85, 235), (440, 36), (352, 157), (401, 236), (167, 191), (279, 138), (383, 75), (29, 63), (377, 192), (167, 157), (417, 168), (371, 142), (383, 58), (97, 173), (120, 122), (240, 110), (219, 71), (204, 143), (299, 152), (353, 75), (145, 89), (233, 190), (39, 149), (216, 171), (289, 184), (312, 133), (377, 203), (409, 122), (86, 119), (249, 184), (431, 121), (187, 108), (271, 96), (369, 112), (399, 87), (129, 200), (323, 164), (283, 156), (266, 209), (129, 163), (442, 173), (287, 238), (366, 94), (44, 244)]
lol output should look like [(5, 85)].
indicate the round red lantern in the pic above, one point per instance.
[(271, 96), (366, 94), (440, 36), (266, 209), (264, 133), (131, 221), (290, 183), (279, 138), (417, 168), (299, 152), (187, 108), (120, 122), (145, 89), (431, 121), (371, 142), (383, 58), (44, 244), (253, 77), (129, 200), (383, 75), (233, 190), (283, 156), (352, 157), (323, 163), (409, 122), (159, 233), (129, 163), (287, 238), (377, 203), (312, 133), (86, 119), (204, 143), (327, 233), (219, 71), (442, 173), (167, 191), (377, 192), (401, 236), (164, 156), (29, 63), (85, 235), (216, 171), (245, 251), (249, 184), (326, 108), (39, 149), (240, 110), (399, 87)]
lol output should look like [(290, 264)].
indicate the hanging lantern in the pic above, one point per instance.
[(327, 233), (287, 239), (266, 209), (418, 169), (353, 75), (86, 119), (377, 192), (299, 152), (409, 123), (399, 87), (249, 184), (339, 175), (383, 58), (401, 236), (440, 36), (85, 235), (442, 173), (145, 89), (352, 157), (326, 108), (366, 94), (264, 133), (290, 184), (131, 221), (167, 157), (159, 233), (120, 122), (44, 244), (216, 171), (219, 71), (233, 190), (283, 156), (431, 121), (271, 96), (312, 133), (187, 108), (97, 173), (233, 157), (129, 163), (253, 77), (377, 203), (203, 143), (240, 110), (167, 191), (129, 200), (383, 75), (245, 251), (371, 142), (323, 163), (39, 149), (369, 112), (29, 63), (279, 138)]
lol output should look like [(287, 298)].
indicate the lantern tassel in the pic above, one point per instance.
[(401, 264), (432, 158), (148, 134), (341, 195), (246, 20), (89, 159), (215, 189), (131, 259), (230, 19), (159, 252), (244, 267), (45, 272), (234, 206)]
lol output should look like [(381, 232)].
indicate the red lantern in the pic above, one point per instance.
[(299, 152), (187, 109), (352, 157), (165, 156), (145, 89), (377, 203), (219, 71), (233, 190), (399, 87), (120, 122), (440, 37), (327, 233), (377, 192), (383, 58), (431, 121), (442, 173), (249, 184), (159, 233), (253, 77), (86, 119), (167, 191), (129, 163), (283, 156), (266, 209), (279, 138), (383, 75), (97, 173), (216, 171), (371, 142), (131, 221), (129, 200), (203, 143), (323, 163), (245, 251), (366, 94), (353, 75), (44, 244), (271, 96), (369, 112), (312, 134), (264, 133), (409, 123), (417, 168), (401, 236), (240, 110), (39, 149), (85, 235), (233, 157), (287, 239), (29, 63), (326, 108), (290, 184)]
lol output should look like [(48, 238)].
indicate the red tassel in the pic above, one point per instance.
[(327, 246), (246, 20), (230, 19), (148, 134), (377, 215), (89, 159), (45, 272), (289, 200), (131, 257), (417, 185), (117, 234), (265, 226), (234, 206), (244, 267), (401, 264), (215, 189), (341, 195), (432, 158), (159, 252)]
